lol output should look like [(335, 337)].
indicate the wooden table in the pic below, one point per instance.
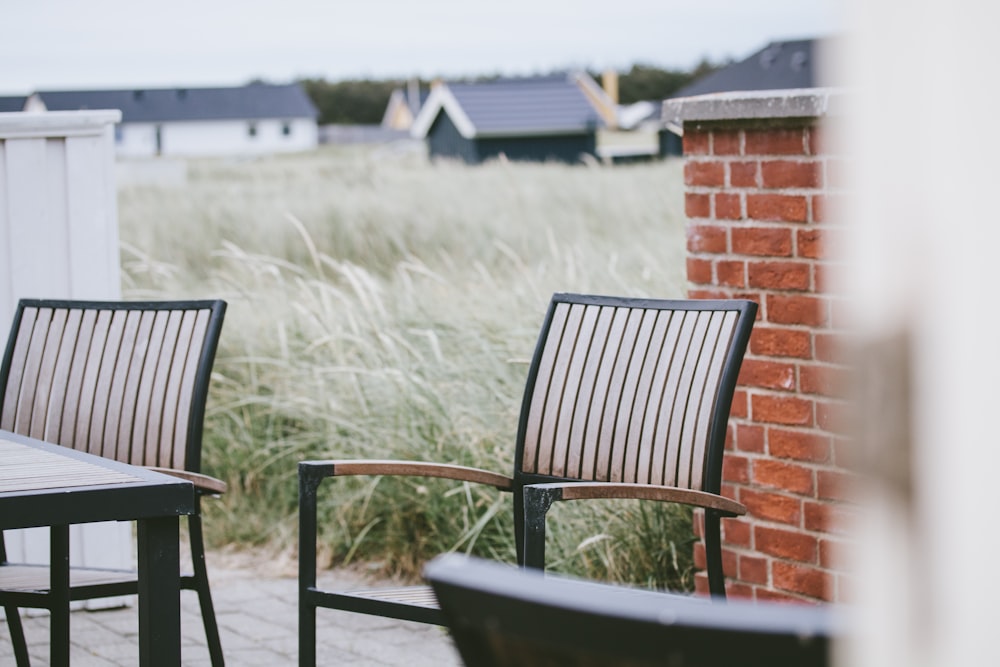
[(42, 484)]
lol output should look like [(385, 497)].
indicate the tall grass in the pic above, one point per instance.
[(384, 307)]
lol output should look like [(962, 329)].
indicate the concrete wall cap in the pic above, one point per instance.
[(755, 104)]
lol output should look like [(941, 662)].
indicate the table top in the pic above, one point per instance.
[(44, 484)]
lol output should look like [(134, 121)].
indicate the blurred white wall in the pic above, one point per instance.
[(924, 253)]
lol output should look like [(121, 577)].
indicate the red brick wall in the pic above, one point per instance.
[(756, 199)]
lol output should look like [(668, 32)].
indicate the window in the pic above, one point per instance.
[(286, 129), (252, 130)]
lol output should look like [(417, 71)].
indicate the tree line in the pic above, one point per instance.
[(363, 101)]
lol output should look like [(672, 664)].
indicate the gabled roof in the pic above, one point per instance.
[(255, 101), (403, 106), (537, 105), (778, 66), (12, 103)]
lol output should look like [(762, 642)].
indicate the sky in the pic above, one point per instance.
[(75, 44)]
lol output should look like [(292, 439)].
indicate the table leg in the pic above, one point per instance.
[(59, 590), (159, 592)]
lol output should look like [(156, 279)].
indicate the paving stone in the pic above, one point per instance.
[(257, 611)]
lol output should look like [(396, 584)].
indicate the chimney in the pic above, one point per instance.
[(609, 80), (413, 95)]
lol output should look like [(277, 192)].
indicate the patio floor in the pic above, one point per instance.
[(256, 607)]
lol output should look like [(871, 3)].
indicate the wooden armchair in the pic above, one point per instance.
[(625, 398), (123, 380)]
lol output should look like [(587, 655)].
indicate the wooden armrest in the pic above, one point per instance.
[(594, 490), (414, 468), (201, 482)]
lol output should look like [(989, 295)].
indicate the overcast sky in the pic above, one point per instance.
[(53, 44)]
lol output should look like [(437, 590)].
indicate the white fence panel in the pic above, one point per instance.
[(59, 239)]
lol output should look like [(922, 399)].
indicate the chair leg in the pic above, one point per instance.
[(59, 592), (310, 477), (713, 555), (17, 637), (204, 592), (537, 502)]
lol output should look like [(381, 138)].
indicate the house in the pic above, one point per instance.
[(531, 118), (249, 120), (403, 106), (12, 103), (780, 65)]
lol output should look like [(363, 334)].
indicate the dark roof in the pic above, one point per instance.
[(179, 104), (778, 66), (552, 104), (12, 103)]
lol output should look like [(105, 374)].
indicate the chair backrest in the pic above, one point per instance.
[(632, 390), (124, 380), (500, 616)]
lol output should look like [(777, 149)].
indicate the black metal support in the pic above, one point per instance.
[(202, 588), (59, 592), (14, 621), (713, 555), (159, 592), (537, 501), (17, 636), (310, 476)]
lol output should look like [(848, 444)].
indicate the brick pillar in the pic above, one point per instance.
[(756, 195)]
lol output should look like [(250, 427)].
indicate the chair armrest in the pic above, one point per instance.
[(609, 490), (202, 483), (538, 499), (337, 468)]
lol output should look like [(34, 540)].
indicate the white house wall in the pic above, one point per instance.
[(208, 138)]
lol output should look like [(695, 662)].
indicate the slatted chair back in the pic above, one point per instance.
[(123, 380), (632, 391)]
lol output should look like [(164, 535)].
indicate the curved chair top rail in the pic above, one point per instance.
[(633, 390)]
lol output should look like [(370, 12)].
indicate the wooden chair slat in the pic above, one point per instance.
[(579, 332), (77, 365), (586, 423), (89, 383), (138, 439), (642, 434), (160, 401), (661, 400), (632, 396), (602, 418), (689, 385), (555, 391), (70, 330), (717, 343), (170, 439), (98, 441), (44, 381), (118, 395), (199, 327), (617, 393), (141, 323), (676, 398), (19, 342), (31, 368), (533, 426), (699, 382)]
